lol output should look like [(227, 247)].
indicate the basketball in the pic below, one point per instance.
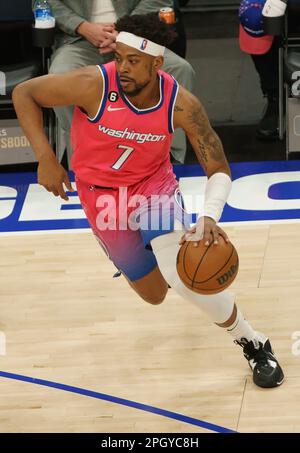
[(207, 269)]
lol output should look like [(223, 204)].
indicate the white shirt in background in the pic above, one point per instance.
[(103, 11)]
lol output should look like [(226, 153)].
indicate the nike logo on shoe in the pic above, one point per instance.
[(115, 109)]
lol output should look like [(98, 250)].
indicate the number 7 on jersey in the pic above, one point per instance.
[(124, 156)]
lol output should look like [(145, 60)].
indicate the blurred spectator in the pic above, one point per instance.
[(264, 52)]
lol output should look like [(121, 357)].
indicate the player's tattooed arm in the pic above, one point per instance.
[(191, 116), (208, 145), (177, 108)]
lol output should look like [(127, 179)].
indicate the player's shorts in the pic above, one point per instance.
[(125, 220)]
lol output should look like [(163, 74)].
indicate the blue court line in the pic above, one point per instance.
[(116, 400)]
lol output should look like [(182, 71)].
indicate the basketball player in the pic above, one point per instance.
[(126, 112)]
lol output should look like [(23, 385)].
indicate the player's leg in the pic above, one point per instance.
[(152, 288), (137, 264), (222, 310), (125, 248)]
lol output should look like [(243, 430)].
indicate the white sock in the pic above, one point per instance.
[(241, 328)]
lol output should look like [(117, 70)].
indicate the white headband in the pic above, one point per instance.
[(141, 44)]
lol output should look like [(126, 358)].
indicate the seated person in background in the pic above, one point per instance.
[(83, 28), (264, 52)]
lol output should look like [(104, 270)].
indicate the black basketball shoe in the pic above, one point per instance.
[(266, 370)]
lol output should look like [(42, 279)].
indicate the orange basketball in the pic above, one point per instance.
[(207, 269)]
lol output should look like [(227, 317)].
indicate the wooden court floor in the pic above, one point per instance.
[(65, 320)]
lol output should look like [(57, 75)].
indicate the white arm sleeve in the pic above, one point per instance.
[(217, 191)]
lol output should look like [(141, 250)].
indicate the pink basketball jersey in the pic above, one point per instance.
[(123, 145)]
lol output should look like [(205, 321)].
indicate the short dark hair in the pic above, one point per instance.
[(148, 26)]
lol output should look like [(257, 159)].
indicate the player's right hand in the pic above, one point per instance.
[(206, 229), (52, 176)]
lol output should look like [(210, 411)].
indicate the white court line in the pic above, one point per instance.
[(41, 232), (259, 222), (246, 223)]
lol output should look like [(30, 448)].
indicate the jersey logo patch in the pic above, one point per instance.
[(144, 44), (113, 96), (114, 109)]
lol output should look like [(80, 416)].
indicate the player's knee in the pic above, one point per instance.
[(156, 300), (157, 297)]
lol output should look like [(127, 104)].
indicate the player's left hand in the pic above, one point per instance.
[(206, 229)]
